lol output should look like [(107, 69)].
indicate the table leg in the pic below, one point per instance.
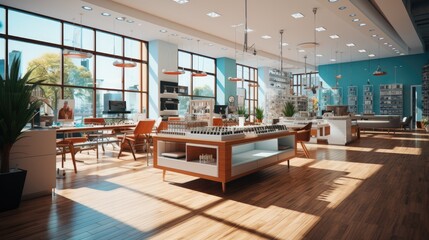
[(223, 187), (163, 175)]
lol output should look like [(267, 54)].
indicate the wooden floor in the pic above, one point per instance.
[(375, 188)]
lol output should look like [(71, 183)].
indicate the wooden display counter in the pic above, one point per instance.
[(222, 161)]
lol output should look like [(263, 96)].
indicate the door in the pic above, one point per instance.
[(416, 104)]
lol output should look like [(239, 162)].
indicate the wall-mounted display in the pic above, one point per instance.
[(391, 99), (368, 99), (352, 97), (277, 92)]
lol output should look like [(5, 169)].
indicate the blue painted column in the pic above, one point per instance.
[(226, 67)]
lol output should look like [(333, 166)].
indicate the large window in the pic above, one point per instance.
[(90, 82), (199, 87), (301, 83), (250, 84)]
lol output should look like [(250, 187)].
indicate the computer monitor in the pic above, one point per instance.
[(220, 109), (117, 106)]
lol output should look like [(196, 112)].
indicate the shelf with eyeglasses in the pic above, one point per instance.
[(391, 99), (368, 99), (352, 97), (425, 91)]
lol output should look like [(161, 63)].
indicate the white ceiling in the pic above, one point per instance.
[(189, 21)]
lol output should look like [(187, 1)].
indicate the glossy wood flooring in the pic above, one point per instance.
[(375, 188)]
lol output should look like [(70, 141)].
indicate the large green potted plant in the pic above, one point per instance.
[(17, 108), (289, 109), (259, 114)]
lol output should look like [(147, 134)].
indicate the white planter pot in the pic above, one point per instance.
[(241, 121)]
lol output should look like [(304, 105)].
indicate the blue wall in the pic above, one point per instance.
[(226, 67), (358, 73)]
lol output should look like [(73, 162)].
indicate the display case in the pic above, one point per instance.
[(368, 99), (202, 110), (391, 99), (352, 99)]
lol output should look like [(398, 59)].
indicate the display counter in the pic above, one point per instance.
[(222, 160)]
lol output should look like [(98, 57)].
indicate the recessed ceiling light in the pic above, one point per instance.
[(319, 55), (361, 50), (332, 1), (355, 19), (362, 24), (163, 30), (224, 48), (210, 44), (266, 37), (342, 7), (87, 8), (249, 30), (284, 44), (393, 48), (301, 50), (334, 36), (380, 38), (120, 18), (174, 34), (105, 14), (352, 15), (374, 35), (371, 30), (130, 21), (350, 44), (213, 14), (390, 45), (181, 1), (333, 60), (237, 25), (371, 55), (320, 29), (297, 15), (402, 54)]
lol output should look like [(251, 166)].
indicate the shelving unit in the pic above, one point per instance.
[(325, 98), (368, 99), (337, 96), (425, 91), (352, 97), (203, 110), (277, 91), (391, 99), (300, 102)]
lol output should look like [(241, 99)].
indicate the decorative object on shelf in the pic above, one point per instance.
[(76, 53), (289, 109), (259, 114), (199, 73), (16, 109)]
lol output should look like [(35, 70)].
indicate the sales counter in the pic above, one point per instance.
[(221, 158)]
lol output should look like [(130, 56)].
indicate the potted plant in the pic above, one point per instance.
[(259, 114), (241, 116), (289, 109), (17, 108)]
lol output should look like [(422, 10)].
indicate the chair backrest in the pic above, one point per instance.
[(96, 121), (304, 134), (174, 119), (158, 121), (162, 126), (144, 127), (407, 120), (307, 126)]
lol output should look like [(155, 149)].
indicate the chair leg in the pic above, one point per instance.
[(120, 147), (132, 149), (72, 153), (307, 154)]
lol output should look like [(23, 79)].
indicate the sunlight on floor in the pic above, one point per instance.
[(401, 150), (348, 148)]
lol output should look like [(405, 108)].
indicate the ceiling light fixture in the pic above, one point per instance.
[(213, 14), (334, 36), (266, 37), (76, 53), (333, 60), (332, 1), (105, 14), (235, 79), (172, 72), (120, 18), (163, 31), (297, 15), (319, 55), (378, 71), (361, 50), (355, 20), (362, 24), (374, 35), (352, 15), (246, 47), (350, 45), (320, 29), (87, 8), (301, 50), (181, 1), (284, 44), (380, 38), (342, 8), (371, 55), (130, 21), (125, 63)]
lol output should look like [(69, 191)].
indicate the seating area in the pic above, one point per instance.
[(384, 122)]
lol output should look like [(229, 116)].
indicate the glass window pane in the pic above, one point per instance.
[(184, 105), (2, 57), (144, 51), (133, 101), (132, 78), (252, 74), (239, 71), (251, 92), (34, 27), (109, 43), (246, 73), (78, 37), (184, 60), (108, 76), (204, 86), (83, 105), (79, 72), (102, 100), (46, 61), (185, 80), (144, 77), (209, 65), (246, 86), (132, 48), (203, 64), (52, 94), (2, 20)]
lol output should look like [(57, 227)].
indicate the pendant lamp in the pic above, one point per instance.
[(76, 53), (199, 73), (235, 79), (172, 71), (124, 63), (378, 71)]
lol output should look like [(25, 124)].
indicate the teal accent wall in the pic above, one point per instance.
[(226, 67), (358, 73)]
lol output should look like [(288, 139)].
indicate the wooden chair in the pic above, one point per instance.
[(139, 137), (66, 145), (303, 135), (102, 136)]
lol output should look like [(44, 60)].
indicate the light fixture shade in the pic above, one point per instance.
[(199, 74), (235, 79), (176, 72), (379, 72), (339, 76), (124, 64), (253, 85), (76, 54)]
